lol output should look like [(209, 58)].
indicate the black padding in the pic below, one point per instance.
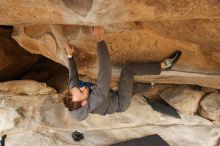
[(152, 140)]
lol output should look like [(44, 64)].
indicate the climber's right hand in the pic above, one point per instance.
[(69, 49), (98, 31)]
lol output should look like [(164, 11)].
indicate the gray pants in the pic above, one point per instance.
[(126, 87)]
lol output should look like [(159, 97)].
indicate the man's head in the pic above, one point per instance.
[(77, 97)]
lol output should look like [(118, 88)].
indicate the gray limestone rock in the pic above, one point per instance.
[(210, 107), (185, 100)]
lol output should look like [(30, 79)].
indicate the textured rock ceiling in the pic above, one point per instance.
[(136, 31), (93, 12)]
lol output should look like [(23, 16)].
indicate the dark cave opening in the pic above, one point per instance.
[(49, 72)]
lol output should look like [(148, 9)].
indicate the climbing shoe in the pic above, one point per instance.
[(171, 60)]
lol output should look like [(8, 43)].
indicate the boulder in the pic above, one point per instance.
[(43, 120), (8, 118), (185, 100), (27, 87), (210, 107)]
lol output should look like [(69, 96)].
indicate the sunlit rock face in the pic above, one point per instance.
[(14, 60)]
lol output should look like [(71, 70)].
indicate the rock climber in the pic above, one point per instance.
[(99, 98)]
